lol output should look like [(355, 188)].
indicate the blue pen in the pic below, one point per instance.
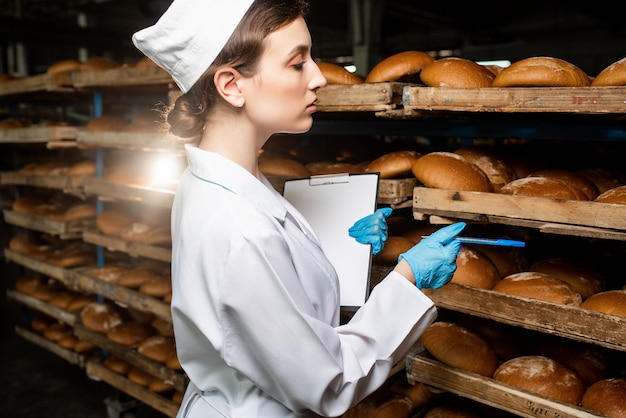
[(491, 241)]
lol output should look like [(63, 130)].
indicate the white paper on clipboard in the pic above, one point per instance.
[(332, 204)]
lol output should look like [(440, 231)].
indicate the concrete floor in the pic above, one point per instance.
[(37, 383)]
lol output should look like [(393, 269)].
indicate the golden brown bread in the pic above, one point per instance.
[(337, 74), (612, 302), (542, 376), (456, 72), (475, 269), (447, 170), (101, 316), (603, 178), (541, 286), (507, 341), (130, 333), (392, 249), (612, 75), (508, 260), (158, 348), (459, 347), (397, 66), (98, 64), (117, 364), (616, 195), (586, 279), (542, 72), (141, 377), (606, 397), (113, 221), (547, 187), (570, 177), (63, 66), (396, 164)]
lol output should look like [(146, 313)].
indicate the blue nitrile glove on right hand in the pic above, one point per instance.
[(372, 229), (433, 259)]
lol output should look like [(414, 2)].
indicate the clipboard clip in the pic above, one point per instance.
[(323, 179)]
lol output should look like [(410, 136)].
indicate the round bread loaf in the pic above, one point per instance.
[(395, 164), (68, 342), (542, 72), (547, 187), (586, 360), (606, 397), (62, 299), (63, 66), (508, 260), (135, 277), (455, 72), (572, 178), (157, 286), (163, 327), (82, 168), (30, 283), (612, 302), (80, 212), (82, 346), (98, 64), (459, 347), (101, 316), (26, 204), (117, 365), (603, 178), (79, 302), (130, 333), (475, 269), (498, 172), (392, 249), (113, 221), (147, 234), (397, 66), (173, 363), (542, 376), (158, 385), (107, 123), (447, 170), (586, 279), (337, 74), (57, 331), (283, 167), (613, 75), (158, 348), (616, 195), (136, 375), (541, 286)]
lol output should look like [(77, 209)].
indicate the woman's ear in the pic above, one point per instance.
[(226, 83)]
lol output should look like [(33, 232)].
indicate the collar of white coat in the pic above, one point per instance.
[(214, 168)]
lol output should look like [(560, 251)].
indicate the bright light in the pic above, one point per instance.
[(499, 63), (351, 68), (165, 171)]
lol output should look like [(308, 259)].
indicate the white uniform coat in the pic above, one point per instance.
[(255, 305)]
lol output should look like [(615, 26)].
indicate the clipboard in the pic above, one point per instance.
[(332, 204)]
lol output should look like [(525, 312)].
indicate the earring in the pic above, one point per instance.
[(240, 103)]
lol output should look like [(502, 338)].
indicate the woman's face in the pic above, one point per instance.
[(281, 97)]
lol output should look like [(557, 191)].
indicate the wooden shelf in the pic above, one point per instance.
[(488, 391), (43, 307), (134, 193), (134, 249), (62, 229)]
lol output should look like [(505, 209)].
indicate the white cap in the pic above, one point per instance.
[(188, 37)]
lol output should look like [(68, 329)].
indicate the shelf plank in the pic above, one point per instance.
[(68, 355), (122, 76), (588, 100), (69, 184), (134, 193), (38, 134), (39, 266), (486, 206), (488, 391), (37, 83), (62, 229), (364, 97), (566, 321), (130, 141), (96, 371), (43, 307), (83, 281), (134, 249)]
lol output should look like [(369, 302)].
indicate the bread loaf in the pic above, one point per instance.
[(447, 170), (337, 74), (498, 172), (603, 178), (542, 376), (508, 260), (547, 187), (101, 316), (582, 276), (459, 347), (612, 302), (455, 72), (507, 341), (613, 75), (130, 333), (542, 72), (475, 269), (117, 365), (394, 246), (63, 66), (397, 66), (606, 397), (157, 348), (572, 178), (616, 195), (395, 164), (113, 221), (541, 286)]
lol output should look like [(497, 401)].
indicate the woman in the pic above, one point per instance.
[(255, 302)]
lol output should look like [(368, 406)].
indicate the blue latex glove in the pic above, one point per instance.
[(372, 229), (433, 259)]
